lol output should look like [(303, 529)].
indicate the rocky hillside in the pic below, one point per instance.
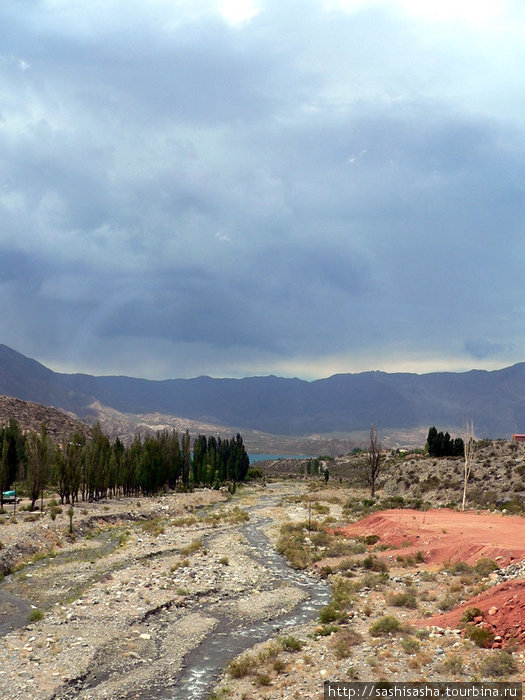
[(497, 478), (30, 417)]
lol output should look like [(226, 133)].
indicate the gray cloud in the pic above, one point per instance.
[(182, 196)]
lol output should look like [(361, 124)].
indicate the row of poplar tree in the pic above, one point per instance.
[(442, 445), (90, 468)]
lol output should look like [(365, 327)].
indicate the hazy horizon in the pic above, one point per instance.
[(269, 374)]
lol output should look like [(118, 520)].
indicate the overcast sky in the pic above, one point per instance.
[(291, 187)]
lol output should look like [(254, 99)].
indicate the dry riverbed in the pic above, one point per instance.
[(112, 611), (124, 607)]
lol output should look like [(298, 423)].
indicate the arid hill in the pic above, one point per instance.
[(497, 478), (30, 417)]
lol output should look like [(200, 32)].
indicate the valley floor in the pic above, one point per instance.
[(152, 598)]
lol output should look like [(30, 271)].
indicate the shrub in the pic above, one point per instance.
[(470, 614), (279, 665), (241, 666), (388, 624), (329, 613), (499, 663), (404, 600), (254, 473), (36, 615), (460, 567), (191, 548), (485, 566), (153, 527), (447, 602), (372, 539), (481, 636), (291, 544), (453, 664), (343, 641), (373, 563), (327, 630), (374, 581), (290, 643), (410, 645)]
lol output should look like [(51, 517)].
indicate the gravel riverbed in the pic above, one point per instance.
[(152, 598)]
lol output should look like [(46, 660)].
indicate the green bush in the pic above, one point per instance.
[(373, 563), (470, 614), (498, 664), (388, 624), (460, 567), (485, 566), (410, 645), (327, 630), (290, 643), (36, 615), (481, 636), (329, 613), (372, 539), (242, 666), (404, 600)]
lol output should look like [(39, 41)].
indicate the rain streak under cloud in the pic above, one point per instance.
[(236, 188)]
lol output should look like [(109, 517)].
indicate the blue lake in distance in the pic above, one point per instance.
[(259, 457)]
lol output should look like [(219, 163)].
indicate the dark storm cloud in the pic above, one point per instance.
[(480, 348), (182, 193)]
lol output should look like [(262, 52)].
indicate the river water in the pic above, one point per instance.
[(203, 665)]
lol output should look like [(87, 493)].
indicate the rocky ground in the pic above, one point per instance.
[(119, 608), (497, 479)]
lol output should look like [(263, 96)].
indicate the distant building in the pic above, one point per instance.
[(518, 437)]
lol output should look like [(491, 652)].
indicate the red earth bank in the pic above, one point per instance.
[(445, 535), (503, 609)]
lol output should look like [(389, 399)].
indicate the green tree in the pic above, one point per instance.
[(39, 461), (374, 460)]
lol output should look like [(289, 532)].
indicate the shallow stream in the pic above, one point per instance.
[(204, 664)]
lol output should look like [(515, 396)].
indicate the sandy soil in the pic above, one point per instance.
[(443, 535)]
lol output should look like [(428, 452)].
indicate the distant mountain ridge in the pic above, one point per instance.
[(494, 400)]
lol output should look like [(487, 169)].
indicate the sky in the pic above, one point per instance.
[(235, 188)]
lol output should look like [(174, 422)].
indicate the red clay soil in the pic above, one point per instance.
[(444, 535), (503, 612)]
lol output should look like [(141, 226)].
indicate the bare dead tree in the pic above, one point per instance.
[(373, 460), (468, 445)]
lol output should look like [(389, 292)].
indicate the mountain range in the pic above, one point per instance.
[(494, 400)]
